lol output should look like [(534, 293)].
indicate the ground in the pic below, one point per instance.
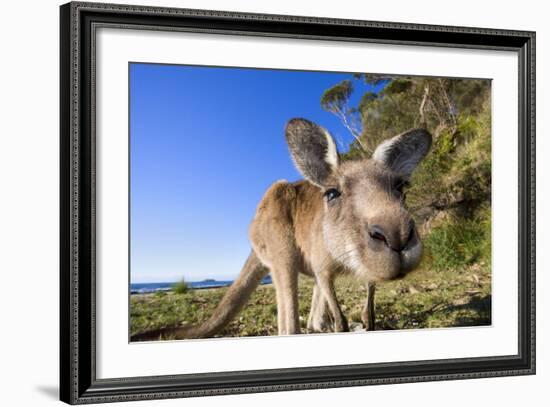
[(424, 299)]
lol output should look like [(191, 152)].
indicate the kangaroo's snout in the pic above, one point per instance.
[(393, 246), (396, 238)]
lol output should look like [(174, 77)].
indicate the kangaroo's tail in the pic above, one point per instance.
[(232, 302)]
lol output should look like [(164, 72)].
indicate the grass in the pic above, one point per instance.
[(460, 242), (427, 298)]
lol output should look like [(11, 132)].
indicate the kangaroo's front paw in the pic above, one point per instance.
[(319, 323)]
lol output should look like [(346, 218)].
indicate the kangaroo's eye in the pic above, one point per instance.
[(331, 194)]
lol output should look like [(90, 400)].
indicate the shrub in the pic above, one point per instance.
[(460, 242), (181, 287)]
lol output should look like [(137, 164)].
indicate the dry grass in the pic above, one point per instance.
[(425, 299)]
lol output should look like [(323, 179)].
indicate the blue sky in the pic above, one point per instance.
[(205, 144)]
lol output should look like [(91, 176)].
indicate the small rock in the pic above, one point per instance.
[(356, 327), (413, 290), (461, 301), (475, 267)]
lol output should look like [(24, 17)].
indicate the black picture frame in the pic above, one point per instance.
[(78, 382)]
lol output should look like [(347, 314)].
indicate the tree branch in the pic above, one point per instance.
[(448, 102), (423, 105), (351, 128)]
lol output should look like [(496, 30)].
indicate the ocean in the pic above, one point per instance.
[(146, 288)]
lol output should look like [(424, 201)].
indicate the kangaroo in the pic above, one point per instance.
[(345, 217)]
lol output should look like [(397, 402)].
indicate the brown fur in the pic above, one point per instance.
[(365, 231)]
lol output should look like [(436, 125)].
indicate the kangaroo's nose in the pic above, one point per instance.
[(395, 241)]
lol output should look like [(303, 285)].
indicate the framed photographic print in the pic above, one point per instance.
[(256, 203)]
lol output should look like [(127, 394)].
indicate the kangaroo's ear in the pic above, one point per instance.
[(312, 149), (404, 152)]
